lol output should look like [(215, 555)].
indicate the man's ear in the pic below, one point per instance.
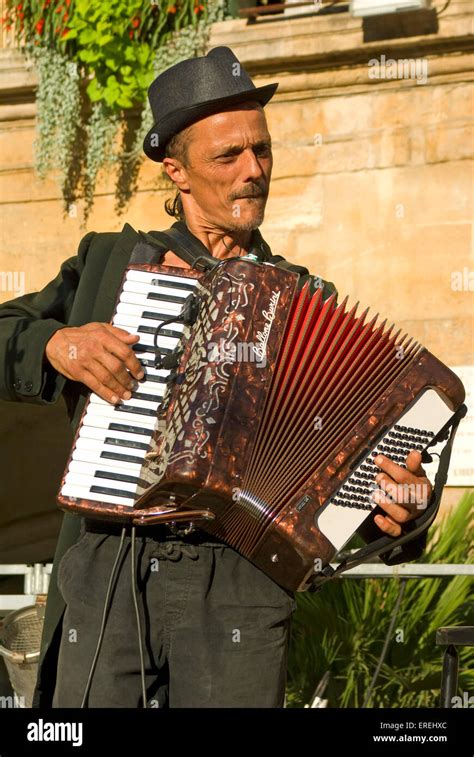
[(176, 172)]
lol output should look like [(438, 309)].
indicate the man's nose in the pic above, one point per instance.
[(250, 164)]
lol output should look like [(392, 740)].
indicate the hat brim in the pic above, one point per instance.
[(175, 122)]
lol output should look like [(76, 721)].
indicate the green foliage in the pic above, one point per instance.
[(115, 50), (95, 62), (113, 42), (343, 627)]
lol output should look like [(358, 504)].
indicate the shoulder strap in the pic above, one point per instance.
[(264, 253), (316, 282), (190, 249), (280, 261)]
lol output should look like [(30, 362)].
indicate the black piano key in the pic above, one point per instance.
[(125, 443), (150, 315), (116, 476), (174, 284), (112, 492), (146, 397), (166, 297), (156, 379), (163, 332), (149, 348), (122, 458), (144, 348), (135, 410), (151, 362), (130, 429)]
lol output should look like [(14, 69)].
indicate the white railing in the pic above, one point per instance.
[(36, 581), (37, 577)]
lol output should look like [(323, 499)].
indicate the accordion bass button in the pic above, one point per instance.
[(274, 558)]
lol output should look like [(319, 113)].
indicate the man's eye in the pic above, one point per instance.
[(261, 150)]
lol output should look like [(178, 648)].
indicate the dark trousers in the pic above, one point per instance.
[(215, 628)]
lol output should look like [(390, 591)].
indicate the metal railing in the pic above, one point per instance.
[(36, 581), (37, 577)]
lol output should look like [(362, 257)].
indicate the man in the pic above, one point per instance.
[(216, 628)]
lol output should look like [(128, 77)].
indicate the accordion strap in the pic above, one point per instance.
[(419, 525), (185, 245), (189, 248)]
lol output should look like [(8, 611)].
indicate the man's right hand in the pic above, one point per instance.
[(98, 355)]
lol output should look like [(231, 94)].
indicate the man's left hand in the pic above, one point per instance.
[(403, 494)]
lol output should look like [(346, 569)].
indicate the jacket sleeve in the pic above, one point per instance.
[(26, 325)]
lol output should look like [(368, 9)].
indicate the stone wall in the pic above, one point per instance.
[(372, 179)]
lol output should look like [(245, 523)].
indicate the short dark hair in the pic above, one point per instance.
[(177, 148)]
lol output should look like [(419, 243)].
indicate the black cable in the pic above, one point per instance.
[(139, 623), (110, 587), (188, 315), (386, 642), (158, 354)]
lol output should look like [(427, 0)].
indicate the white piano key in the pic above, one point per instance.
[(149, 304), (151, 387), (92, 444), (88, 468), (168, 342), (100, 445), (87, 450), (93, 457), (94, 421), (133, 323), (147, 340), (79, 479), (127, 308), (125, 446), (146, 358), (121, 414), (92, 432), (144, 289), (112, 414), (83, 492), (158, 372), (128, 403), (154, 389)]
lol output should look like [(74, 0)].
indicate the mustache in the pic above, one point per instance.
[(250, 192)]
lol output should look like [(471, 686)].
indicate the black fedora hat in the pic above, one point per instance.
[(195, 88)]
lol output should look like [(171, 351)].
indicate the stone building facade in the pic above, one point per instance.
[(372, 179)]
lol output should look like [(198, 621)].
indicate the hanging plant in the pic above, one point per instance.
[(95, 62)]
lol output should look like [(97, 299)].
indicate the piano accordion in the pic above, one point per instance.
[(264, 432)]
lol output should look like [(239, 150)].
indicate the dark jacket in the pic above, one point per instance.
[(84, 291)]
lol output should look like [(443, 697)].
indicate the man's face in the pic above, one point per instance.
[(229, 168)]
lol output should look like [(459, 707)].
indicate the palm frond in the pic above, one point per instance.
[(342, 629)]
